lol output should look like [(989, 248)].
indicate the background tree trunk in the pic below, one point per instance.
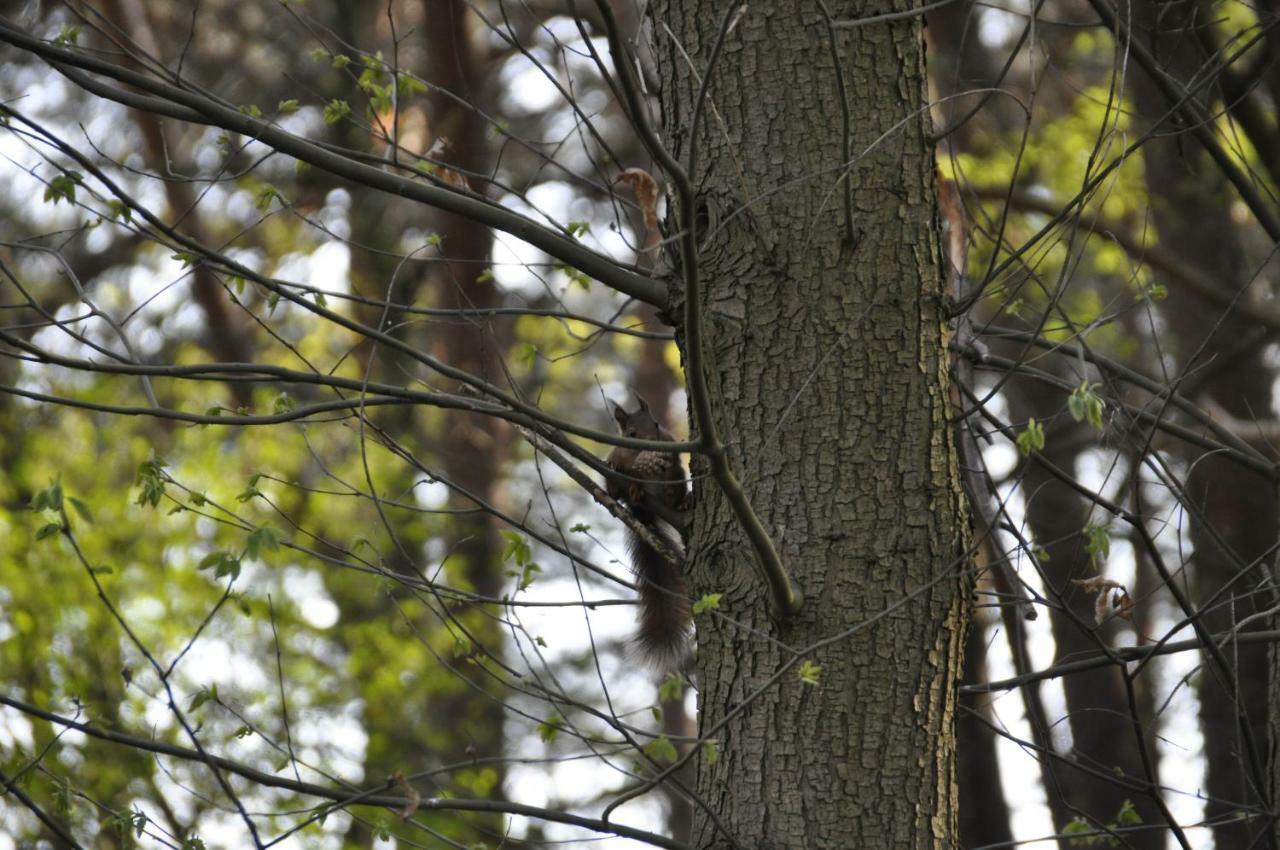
[(1233, 512)]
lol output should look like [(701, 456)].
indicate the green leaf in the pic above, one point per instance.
[(340, 61), (265, 196), (222, 563), (205, 694), (1085, 405), (67, 36), (549, 729), (1128, 815), (63, 186), (211, 560), (1097, 543), (579, 528), (251, 110), (576, 276), (119, 210), (62, 794), (380, 98), (528, 574), (49, 530), (288, 106), (336, 110), (671, 687), (661, 750), (409, 84), (48, 499), (261, 540), (709, 602), (150, 481), (810, 672), (1031, 439), (1080, 834), (82, 509), (517, 548), (710, 751)]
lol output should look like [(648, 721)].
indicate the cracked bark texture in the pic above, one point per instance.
[(827, 365)]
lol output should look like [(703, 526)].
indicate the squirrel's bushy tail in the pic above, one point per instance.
[(665, 619)]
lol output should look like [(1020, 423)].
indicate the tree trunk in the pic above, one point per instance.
[(826, 358), (467, 451)]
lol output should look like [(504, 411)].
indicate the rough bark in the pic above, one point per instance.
[(826, 362)]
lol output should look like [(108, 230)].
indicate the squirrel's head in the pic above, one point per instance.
[(639, 424)]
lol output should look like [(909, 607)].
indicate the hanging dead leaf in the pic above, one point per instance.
[(454, 178), (413, 799), (1107, 605), (645, 189), (1122, 605)]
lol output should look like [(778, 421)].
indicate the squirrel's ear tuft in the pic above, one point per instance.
[(619, 413), (643, 407)]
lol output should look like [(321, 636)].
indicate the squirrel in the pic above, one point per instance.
[(654, 491)]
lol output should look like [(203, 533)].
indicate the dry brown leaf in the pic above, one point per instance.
[(453, 178), (645, 188), (1107, 605), (413, 799)]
